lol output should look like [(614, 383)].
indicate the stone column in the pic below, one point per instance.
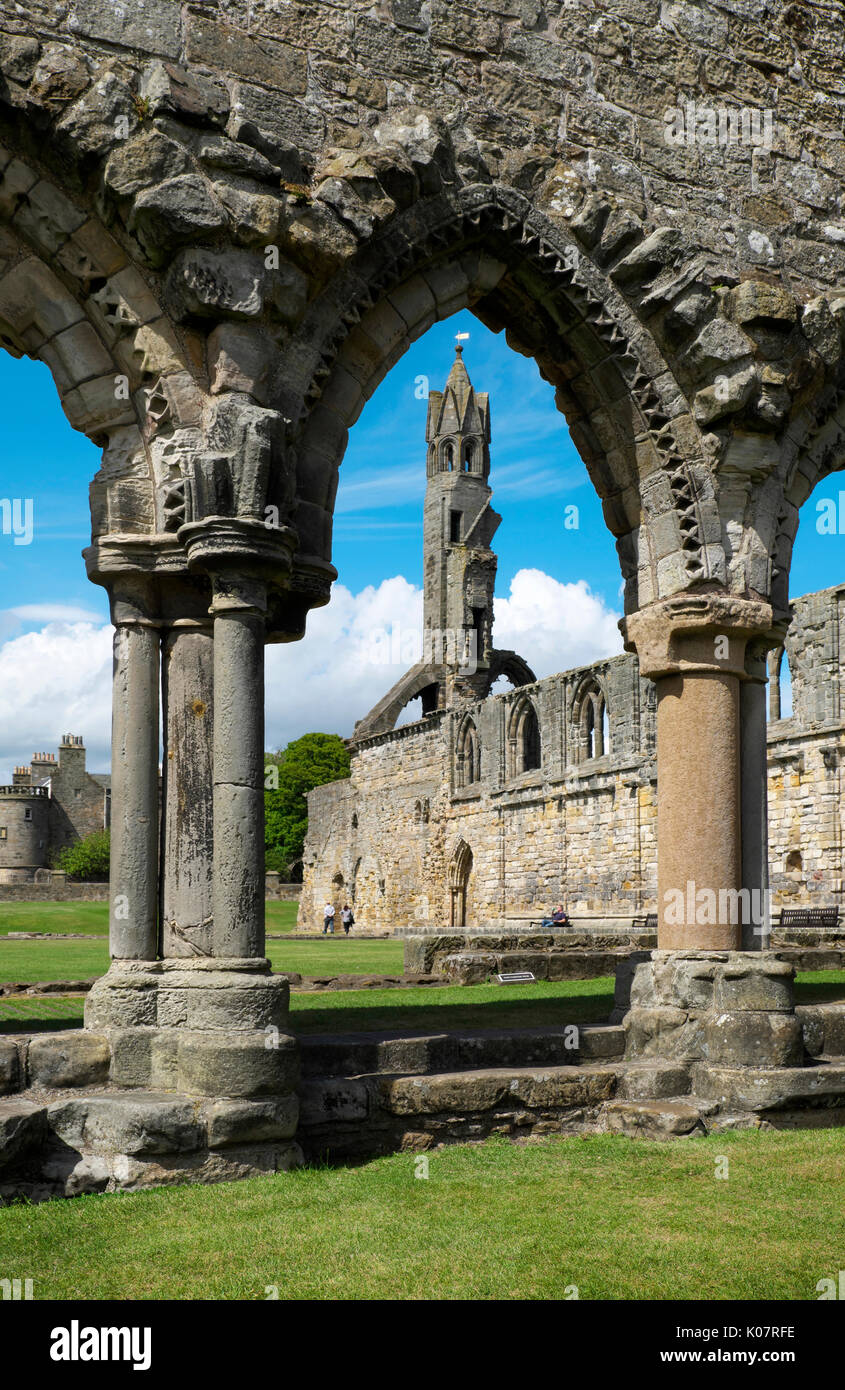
[(187, 780), (755, 796), (693, 648), (133, 879), (238, 607)]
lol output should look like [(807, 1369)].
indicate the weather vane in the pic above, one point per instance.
[(460, 338)]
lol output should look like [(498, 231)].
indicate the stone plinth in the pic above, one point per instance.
[(729, 1007), (203, 1026)]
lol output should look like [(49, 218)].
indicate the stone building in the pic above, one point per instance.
[(496, 806), (50, 804), (243, 214)]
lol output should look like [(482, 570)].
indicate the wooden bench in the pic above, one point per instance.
[(824, 918)]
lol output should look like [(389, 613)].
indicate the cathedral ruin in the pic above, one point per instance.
[(492, 808), (221, 224)]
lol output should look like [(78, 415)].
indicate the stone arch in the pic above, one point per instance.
[(71, 296), (486, 248), (460, 872), (590, 719), (524, 743), (422, 679), (510, 665), (467, 753)]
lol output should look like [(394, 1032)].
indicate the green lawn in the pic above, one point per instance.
[(90, 918), (93, 918), (618, 1218), (22, 961), (429, 1008), (441, 1008)]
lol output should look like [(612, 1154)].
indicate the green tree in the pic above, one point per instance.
[(87, 860), (307, 762)]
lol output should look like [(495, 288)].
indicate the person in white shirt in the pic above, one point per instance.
[(328, 919)]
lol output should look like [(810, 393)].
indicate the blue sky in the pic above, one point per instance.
[(536, 474), (558, 590)]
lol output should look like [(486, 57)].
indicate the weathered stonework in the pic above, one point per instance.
[(51, 803), (221, 225), (441, 825)]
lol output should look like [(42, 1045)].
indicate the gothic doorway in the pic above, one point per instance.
[(459, 872)]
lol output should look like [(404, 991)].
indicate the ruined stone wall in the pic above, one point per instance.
[(558, 832), (806, 750), (578, 830)]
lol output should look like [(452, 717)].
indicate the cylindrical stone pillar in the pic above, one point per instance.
[(238, 876), (187, 790), (698, 809), (693, 648), (133, 877), (755, 798)]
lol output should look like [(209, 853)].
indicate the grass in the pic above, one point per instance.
[(93, 918), (618, 1218), (439, 1009), (90, 918), (23, 961), (427, 1009)]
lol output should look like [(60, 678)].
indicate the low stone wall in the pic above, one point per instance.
[(274, 888), (59, 890), (470, 959), (573, 955)]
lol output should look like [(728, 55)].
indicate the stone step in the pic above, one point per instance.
[(762, 1089), (652, 1079), (669, 1118), (357, 1054), (823, 1027), (23, 1127), (473, 1097)]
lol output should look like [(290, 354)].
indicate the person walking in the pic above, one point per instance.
[(346, 918), (328, 919)]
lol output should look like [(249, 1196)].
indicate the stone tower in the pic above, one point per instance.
[(459, 567)]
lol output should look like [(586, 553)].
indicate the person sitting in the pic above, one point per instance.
[(557, 919)]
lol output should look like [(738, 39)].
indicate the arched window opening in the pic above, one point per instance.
[(780, 684), (448, 457), (594, 723), (459, 871), (530, 740), (467, 755), (524, 739)]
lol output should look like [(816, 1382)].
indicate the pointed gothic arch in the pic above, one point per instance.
[(460, 870), (590, 720), (525, 753), (467, 754)]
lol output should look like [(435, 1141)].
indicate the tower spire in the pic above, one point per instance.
[(459, 567)]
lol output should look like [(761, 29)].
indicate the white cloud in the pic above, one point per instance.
[(52, 613), (58, 679), (555, 626)]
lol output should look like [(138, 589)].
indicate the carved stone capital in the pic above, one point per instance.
[(241, 556), (695, 633)]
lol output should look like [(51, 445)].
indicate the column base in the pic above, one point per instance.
[(728, 1008), (204, 1026)]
